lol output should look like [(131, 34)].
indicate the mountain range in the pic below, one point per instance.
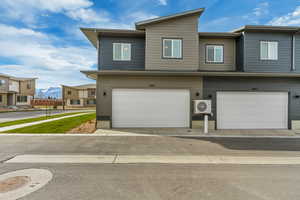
[(51, 92)]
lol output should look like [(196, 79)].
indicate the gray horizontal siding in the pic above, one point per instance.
[(213, 84), (106, 54), (252, 52), (229, 54)]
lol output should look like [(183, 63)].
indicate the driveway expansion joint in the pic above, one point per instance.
[(7, 159), (115, 158)]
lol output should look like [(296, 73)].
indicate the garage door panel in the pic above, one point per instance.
[(252, 110), (150, 108)]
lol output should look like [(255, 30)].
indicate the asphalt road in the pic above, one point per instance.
[(11, 116), (159, 181)]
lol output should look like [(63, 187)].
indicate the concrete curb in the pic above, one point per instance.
[(136, 135), (156, 159)]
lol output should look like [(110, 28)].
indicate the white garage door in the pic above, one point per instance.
[(150, 108), (252, 110)]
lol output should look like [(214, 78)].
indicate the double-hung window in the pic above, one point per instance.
[(214, 53), (268, 50), (172, 48), (121, 51)]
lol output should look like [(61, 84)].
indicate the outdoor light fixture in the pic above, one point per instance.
[(209, 96), (104, 93), (297, 96), (197, 94)]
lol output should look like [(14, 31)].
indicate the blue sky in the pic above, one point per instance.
[(40, 38)]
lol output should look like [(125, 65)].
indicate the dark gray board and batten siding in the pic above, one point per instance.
[(297, 53), (252, 61), (105, 57), (211, 85)]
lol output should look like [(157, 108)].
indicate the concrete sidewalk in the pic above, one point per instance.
[(160, 159), (7, 128), (182, 132)]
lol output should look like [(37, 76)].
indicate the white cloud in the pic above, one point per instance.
[(88, 15), (38, 55), (28, 10), (290, 19), (163, 2), (139, 16), (261, 10)]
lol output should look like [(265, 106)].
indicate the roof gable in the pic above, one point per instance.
[(141, 25)]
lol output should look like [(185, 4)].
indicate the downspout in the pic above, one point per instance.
[(293, 52)]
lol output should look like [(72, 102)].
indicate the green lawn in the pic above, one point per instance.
[(22, 121), (58, 126)]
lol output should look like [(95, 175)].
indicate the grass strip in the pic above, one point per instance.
[(58, 126), (35, 119)]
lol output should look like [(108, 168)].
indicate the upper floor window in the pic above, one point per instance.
[(0, 98), (268, 50), (172, 48), (121, 51), (69, 92), (28, 86), (214, 53), (2, 82)]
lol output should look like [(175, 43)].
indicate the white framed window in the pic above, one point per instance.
[(268, 50), (21, 99), (2, 82), (121, 51), (172, 48), (214, 53), (75, 102)]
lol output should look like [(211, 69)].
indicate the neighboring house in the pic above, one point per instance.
[(16, 91), (148, 77), (79, 96)]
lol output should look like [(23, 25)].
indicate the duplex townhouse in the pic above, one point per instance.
[(149, 77), (79, 96), (16, 91)]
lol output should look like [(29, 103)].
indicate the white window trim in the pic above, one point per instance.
[(172, 50), (215, 60), (122, 53), (268, 50)]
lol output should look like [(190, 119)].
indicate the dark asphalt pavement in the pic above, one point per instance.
[(159, 181)]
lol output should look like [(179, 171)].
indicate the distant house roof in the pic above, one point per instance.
[(93, 33), (81, 87), (267, 28), (141, 24), (16, 78)]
